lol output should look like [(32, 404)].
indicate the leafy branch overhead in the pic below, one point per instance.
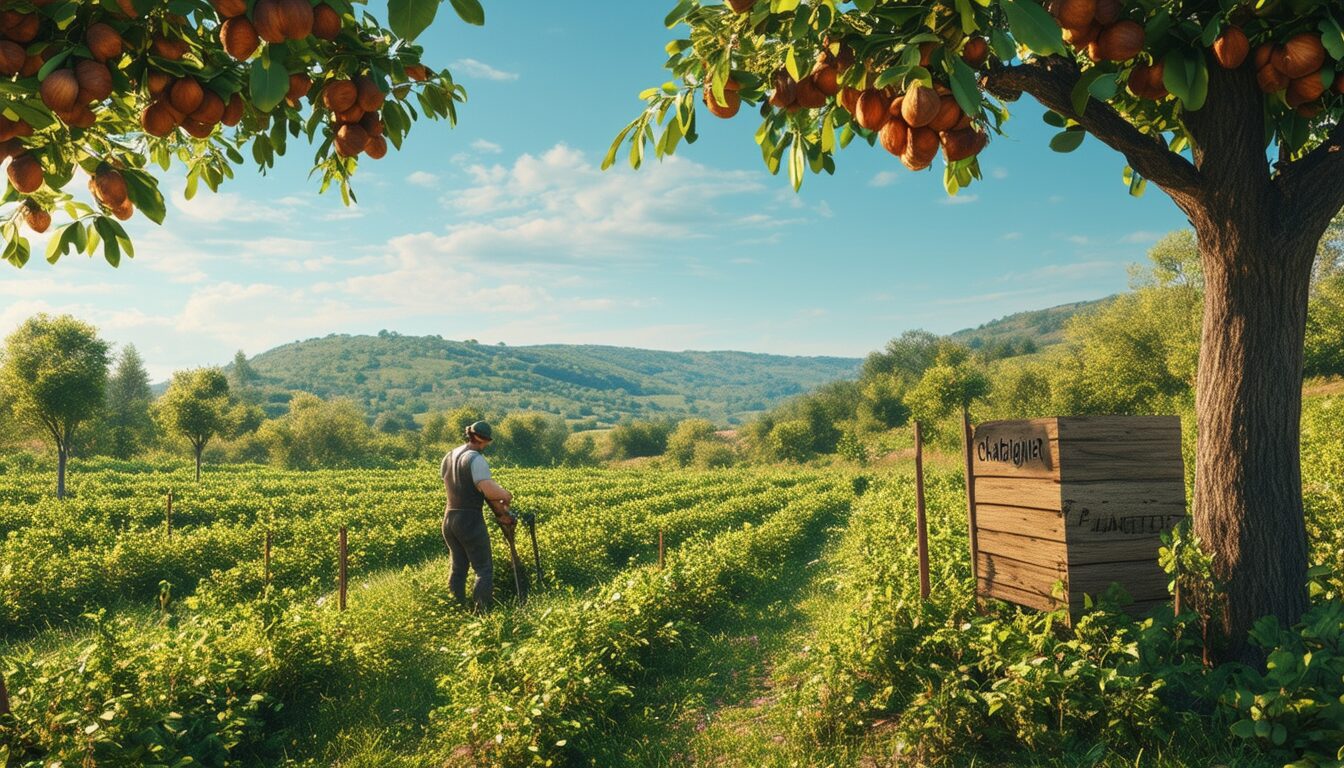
[(919, 76), (120, 89)]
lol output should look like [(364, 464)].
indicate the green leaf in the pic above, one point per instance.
[(1054, 118), (408, 18), (1082, 89), (111, 246), (470, 11), (268, 84), (674, 18), (143, 190), (1187, 77), (1033, 27), (796, 165), (965, 86), (52, 64), (1332, 37), (1067, 141)]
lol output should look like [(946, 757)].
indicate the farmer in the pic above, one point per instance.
[(466, 478)]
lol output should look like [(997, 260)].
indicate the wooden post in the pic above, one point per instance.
[(4, 696), (661, 554), (967, 440), (343, 558), (266, 559), (921, 520), (168, 516)]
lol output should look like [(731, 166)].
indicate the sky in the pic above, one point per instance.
[(503, 229)]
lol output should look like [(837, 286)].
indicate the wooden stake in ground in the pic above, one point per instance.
[(967, 440), (266, 560), (4, 696), (168, 516), (660, 549), (921, 520), (344, 552)]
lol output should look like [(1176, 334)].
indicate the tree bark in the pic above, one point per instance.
[(1248, 480), (61, 453), (200, 448)]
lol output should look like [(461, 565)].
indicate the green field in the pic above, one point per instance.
[(785, 629)]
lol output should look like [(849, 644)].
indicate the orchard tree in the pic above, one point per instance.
[(54, 374), (126, 419), (197, 406), (116, 90), (1231, 107)]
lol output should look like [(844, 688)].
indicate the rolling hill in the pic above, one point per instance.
[(592, 386), (1042, 327)]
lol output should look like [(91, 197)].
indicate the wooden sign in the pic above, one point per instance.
[(1078, 500)]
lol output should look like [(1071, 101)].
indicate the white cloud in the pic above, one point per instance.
[(884, 179), (1141, 237), (423, 179), (1011, 236), (488, 147), (999, 173), (479, 69), (962, 199)]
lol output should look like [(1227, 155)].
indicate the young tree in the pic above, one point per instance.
[(242, 376), (1172, 86), (54, 374), (117, 88), (197, 406), (126, 419)]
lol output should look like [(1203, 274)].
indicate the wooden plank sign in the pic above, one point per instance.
[(1081, 501)]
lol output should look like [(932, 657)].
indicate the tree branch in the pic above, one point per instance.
[(1050, 80), (1311, 184)]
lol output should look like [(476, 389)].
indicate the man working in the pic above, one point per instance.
[(466, 478)]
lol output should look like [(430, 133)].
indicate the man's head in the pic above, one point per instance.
[(479, 434)]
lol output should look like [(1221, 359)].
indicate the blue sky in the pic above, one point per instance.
[(503, 229)]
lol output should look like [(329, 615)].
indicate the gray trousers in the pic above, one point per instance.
[(468, 541)]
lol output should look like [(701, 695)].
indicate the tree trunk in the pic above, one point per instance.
[(61, 453), (1248, 481), (200, 448)]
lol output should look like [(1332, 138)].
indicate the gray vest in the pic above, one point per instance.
[(463, 495)]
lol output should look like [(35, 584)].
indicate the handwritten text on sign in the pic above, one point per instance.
[(1016, 447)]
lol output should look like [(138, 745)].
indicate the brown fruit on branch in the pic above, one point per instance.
[(1263, 54), (239, 38), (920, 150), (826, 79), (741, 6), (123, 211), (1310, 110), (158, 119), (37, 219), (376, 149), (128, 9), (296, 18), (417, 72), (872, 108), (339, 95), (1300, 56), (921, 106), (326, 23), (1121, 41), (109, 186), (1145, 81), (895, 134), (372, 124), (233, 111), (1082, 38), (25, 174), (211, 110), (60, 91), (228, 9), (95, 81), (11, 148), (732, 102), (976, 52), (949, 114), (1108, 12), (269, 21), (12, 58), (32, 65), (186, 95), (1231, 48), (168, 48), (351, 115), (1270, 79), (808, 95), (104, 42), (849, 99), (197, 129), (24, 29), (1076, 13), (1304, 89), (299, 85), (371, 98), (926, 51), (1338, 87), (79, 117), (350, 140), (158, 81), (960, 144)]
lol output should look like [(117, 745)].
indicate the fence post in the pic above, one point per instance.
[(920, 518), (661, 555), (343, 556), (168, 516), (967, 439), (4, 696), (266, 559)]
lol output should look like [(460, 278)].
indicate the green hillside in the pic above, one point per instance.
[(1042, 327), (595, 385)]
